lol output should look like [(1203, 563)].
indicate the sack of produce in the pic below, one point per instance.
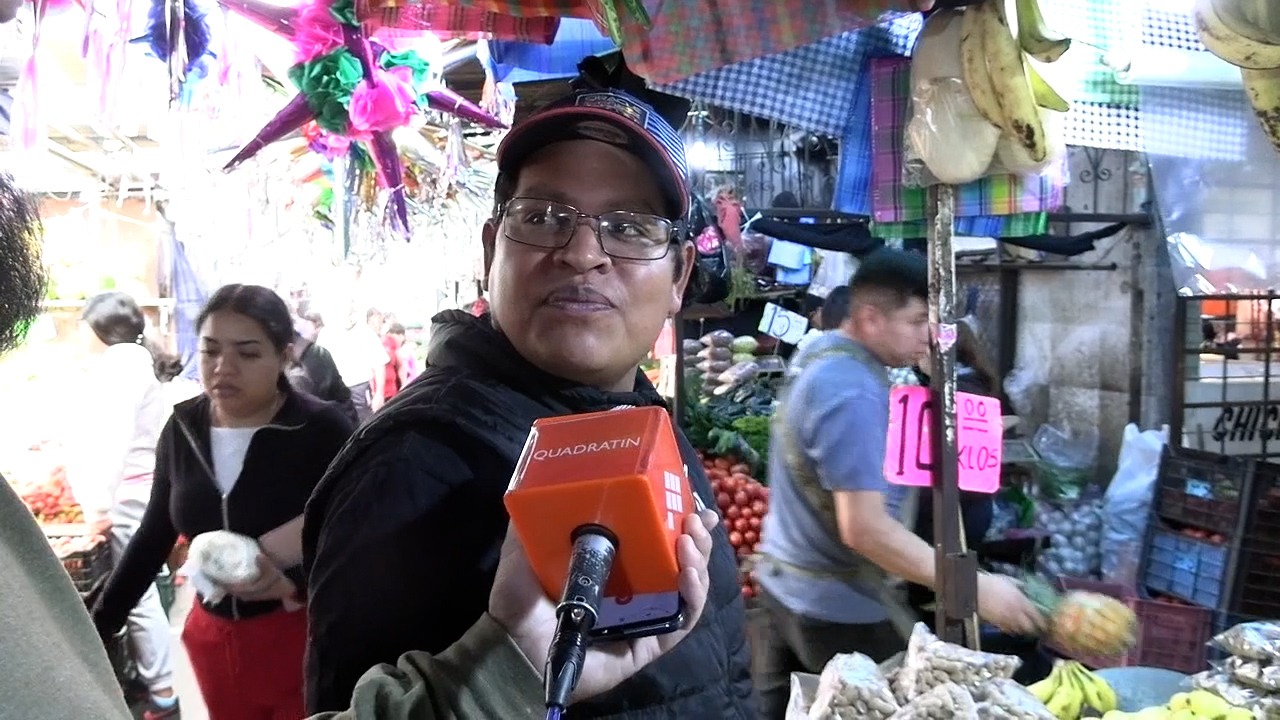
[(1257, 674), (691, 347), (931, 663), (716, 353), (852, 688), (947, 701), (1217, 682), (745, 344), (804, 686), (1252, 640), (1004, 699), (717, 338), (739, 373), (1075, 537), (713, 368)]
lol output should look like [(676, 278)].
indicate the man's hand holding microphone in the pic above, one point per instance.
[(520, 605)]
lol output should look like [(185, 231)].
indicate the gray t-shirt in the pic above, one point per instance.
[(838, 408)]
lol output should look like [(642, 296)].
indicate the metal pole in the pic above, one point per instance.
[(956, 568)]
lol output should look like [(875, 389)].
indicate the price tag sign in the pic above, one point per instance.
[(980, 440), (1199, 489), (787, 326)]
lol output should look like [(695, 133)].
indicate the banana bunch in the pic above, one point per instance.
[(1005, 87), (1071, 688), (1246, 33)]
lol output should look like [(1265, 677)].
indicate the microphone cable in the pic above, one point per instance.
[(594, 550)]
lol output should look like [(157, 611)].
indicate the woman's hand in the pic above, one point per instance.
[(271, 584), (518, 603)]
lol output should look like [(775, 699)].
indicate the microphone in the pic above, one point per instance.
[(598, 501)]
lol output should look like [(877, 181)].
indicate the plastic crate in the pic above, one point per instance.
[(88, 566), (1170, 636), (1187, 568), (1201, 489), (1262, 533), (1258, 585)]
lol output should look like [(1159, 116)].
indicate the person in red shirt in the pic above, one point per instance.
[(392, 370)]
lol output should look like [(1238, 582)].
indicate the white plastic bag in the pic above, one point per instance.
[(804, 686), (1127, 503), (220, 558)]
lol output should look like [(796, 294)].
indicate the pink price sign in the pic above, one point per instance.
[(980, 437)]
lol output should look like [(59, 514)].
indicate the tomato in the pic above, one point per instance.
[(723, 500), (735, 538), (741, 525), (740, 498), (754, 522), (747, 512), (722, 464), (751, 537), (741, 468), (759, 508), (748, 592), (733, 512)]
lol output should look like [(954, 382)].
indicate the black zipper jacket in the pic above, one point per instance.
[(285, 461), (402, 538)]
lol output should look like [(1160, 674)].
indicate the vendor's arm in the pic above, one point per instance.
[(146, 552), (483, 675), (841, 432), (850, 464), (400, 550)]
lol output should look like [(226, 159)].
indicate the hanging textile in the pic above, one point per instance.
[(448, 19), (689, 37), (189, 297), (894, 202), (816, 87), (515, 62)]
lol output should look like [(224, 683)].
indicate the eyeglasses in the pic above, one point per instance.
[(623, 235)]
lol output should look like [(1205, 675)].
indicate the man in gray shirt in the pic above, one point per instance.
[(834, 543)]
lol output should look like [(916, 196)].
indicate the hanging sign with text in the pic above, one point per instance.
[(979, 439)]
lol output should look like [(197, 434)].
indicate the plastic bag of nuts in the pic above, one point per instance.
[(851, 687), (1003, 699), (930, 662), (947, 701)]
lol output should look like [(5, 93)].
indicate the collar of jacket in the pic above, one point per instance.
[(197, 413), (463, 341)]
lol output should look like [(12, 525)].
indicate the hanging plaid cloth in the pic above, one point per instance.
[(693, 36), (893, 202), (447, 19)]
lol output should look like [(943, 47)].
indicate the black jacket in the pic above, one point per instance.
[(402, 537), (285, 461), (316, 373)]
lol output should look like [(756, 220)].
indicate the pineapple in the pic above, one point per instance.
[(1084, 623)]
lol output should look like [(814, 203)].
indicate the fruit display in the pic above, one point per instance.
[(1246, 33), (743, 502), (1083, 623), (1075, 537), (65, 547), (50, 500), (980, 105), (1195, 705), (932, 679), (1071, 688), (1248, 680)]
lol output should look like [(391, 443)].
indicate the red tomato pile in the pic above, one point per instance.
[(743, 502)]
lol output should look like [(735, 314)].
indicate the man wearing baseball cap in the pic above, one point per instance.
[(585, 258)]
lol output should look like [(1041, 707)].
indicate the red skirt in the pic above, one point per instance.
[(248, 669)]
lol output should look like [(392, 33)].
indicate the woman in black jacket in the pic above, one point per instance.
[(242, 457)]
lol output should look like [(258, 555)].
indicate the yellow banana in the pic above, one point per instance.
[(1034, 35), (973, 62), (1068, 702), (1046, 97), (1263, 88), (1046, 688), (1231, 46), (1021, 117), (1098, 694)]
